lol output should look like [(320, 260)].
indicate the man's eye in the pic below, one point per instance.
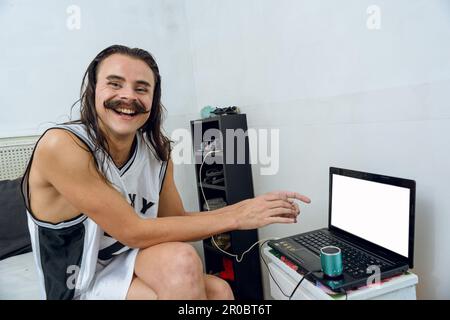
[(141, 89), (114, 84)]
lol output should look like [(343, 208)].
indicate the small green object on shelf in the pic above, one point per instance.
[(206, 112)]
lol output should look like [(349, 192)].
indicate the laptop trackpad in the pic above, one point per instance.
[(308, 260)]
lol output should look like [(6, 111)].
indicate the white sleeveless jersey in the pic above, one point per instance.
[(76, 259)]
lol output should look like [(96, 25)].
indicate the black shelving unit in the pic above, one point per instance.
[(237, 185)]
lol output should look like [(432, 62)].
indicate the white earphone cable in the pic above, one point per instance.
[(236, 256)]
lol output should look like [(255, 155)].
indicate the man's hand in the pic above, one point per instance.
[(273, 207)]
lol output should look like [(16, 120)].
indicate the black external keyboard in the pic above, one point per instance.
[(355, 261)]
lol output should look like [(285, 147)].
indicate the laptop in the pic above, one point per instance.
[(371, 219)]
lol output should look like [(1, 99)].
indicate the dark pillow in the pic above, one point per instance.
[(14, 236)]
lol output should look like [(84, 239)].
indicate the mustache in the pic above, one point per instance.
[(115, 104)]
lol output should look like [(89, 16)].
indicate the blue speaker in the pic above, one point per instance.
[(331, 261)]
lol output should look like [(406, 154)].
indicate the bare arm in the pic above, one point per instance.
[(170, 203), (72, 172)]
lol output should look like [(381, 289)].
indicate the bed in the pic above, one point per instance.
[(18, 276)]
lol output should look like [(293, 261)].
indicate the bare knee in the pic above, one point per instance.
[(140, 291), (226, 292), (179, 274), (218, 289), (186, 267), (172, 256), (187, 259)]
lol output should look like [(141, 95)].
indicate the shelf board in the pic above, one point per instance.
[(209, 119), (216, 156), (200, 153), (211, 186)]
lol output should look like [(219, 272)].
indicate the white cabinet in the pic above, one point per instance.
[(401, 287)]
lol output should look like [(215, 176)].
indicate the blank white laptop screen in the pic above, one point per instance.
[(374, 211)]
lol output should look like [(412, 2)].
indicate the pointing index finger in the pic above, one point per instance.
[(294, 195)]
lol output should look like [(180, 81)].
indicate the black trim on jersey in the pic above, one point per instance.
[(60, 253), (147, 142), (25, 187), (86, 142), (57, 226), (108, 252), (122, 173), (130, 163), (163, 166), (131, 158)]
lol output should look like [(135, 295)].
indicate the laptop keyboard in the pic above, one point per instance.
[(355, 261)]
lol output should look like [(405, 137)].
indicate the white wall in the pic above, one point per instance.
[(42, 61), (340, 94)]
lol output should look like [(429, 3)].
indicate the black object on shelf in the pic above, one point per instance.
[(221, 141)]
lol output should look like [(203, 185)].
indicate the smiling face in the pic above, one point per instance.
[(123, 95)]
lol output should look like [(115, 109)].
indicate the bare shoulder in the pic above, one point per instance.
[(59, 159), (58, 141), (61, 145), (61, 153)]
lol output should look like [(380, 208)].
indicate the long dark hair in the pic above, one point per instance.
[(88, 115)]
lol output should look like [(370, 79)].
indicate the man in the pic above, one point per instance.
[(105, 217)]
